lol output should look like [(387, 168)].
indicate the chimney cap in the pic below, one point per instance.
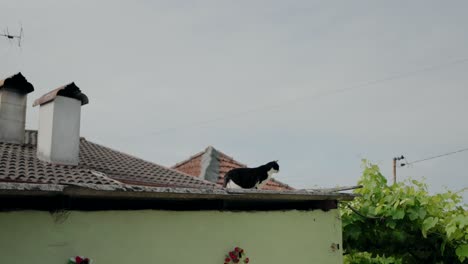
[(69, 90), (17, 83)]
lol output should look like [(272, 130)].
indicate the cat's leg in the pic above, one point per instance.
[(232, 185)]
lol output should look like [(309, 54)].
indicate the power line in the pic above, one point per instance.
[(314, 96), (435, 157)]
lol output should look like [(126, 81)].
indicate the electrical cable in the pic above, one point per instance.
[(314, 96), (434, 157)]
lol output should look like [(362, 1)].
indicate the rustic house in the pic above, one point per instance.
[(212, 164), (63, 196)]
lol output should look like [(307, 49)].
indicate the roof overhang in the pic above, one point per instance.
[(155, 196)]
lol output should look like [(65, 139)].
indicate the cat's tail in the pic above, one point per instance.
[(227, 178)]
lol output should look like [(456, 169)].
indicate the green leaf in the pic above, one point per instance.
[(442, 247), (450, 230), (378, 209), (410, 201), (413, 214), (399, 214), (422, 213), (353, 232), (462, 252), (391, 224), (462, 220), (429, 223)]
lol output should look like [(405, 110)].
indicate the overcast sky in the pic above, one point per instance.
[(318, 85)]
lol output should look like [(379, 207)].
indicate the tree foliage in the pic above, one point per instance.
[(403, 223)]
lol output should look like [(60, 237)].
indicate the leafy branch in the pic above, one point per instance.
[(414, 226)]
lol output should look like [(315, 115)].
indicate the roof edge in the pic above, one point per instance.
[(141, 192)]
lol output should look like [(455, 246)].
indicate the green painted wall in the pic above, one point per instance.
[(147, 236)]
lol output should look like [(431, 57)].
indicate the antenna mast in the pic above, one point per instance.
[(10, 37)]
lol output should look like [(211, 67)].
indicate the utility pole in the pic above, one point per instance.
[(394, 166)]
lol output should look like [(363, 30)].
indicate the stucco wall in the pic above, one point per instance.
[(146, 236)]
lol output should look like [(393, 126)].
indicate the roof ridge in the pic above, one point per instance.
[(209, 165)]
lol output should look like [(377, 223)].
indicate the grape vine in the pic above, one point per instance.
[(403, 223)]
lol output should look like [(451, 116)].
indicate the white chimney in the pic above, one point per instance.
[(13, 96), (58, 139)]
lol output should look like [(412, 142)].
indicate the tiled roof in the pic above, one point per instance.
[(98, 165), (212, 164)]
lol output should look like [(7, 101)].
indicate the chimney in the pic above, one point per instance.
[(58, 139), (13, 96)]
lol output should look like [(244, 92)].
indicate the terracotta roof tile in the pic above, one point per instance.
[(98, 165), (191, 166)]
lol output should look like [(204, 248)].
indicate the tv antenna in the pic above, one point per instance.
[(11, 37)]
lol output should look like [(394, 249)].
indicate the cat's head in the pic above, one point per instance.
[(274, 165)]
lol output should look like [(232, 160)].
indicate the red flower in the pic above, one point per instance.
[(235, 256), (78, 259)]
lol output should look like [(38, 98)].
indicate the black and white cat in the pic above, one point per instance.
[(248, 178)]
